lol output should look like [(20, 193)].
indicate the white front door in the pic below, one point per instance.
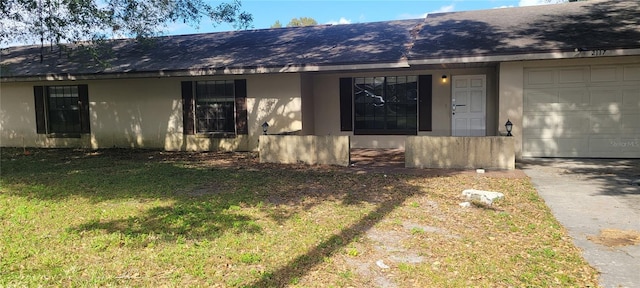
[(468, 105)]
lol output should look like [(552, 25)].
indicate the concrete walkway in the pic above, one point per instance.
[(588, 197)]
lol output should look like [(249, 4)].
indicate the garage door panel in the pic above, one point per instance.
[(572, 146), (602, 143), (602, 99), (604, 123), (605, 74), (541, 96), (546, 133), (540, 77), (573, 75), (624, 123), (550, 108), (574, 96), (631, 120), (631, 99), (587, 111), (631, 73), (538, 122), (540, 146), (554, 133), (573, 122), (558, 119)]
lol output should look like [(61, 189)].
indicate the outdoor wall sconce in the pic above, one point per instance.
[(444, 79), (509, 126), (265, 126)]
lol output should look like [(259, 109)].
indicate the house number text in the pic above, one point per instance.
[(600, 52)]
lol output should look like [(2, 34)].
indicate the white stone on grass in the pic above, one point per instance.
[(381, 264), (485, 197), (465, 204)]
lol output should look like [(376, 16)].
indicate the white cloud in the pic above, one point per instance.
[(443, 9), (412, 16), (538, 2), (341, 21)]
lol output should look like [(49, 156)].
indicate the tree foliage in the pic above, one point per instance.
[(302, 21), (277, 24), (296, 22), (58, 21)]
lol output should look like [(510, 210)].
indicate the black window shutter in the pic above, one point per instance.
[(241, 106), (188, 117), (83, 98), (346, 104), (41, 124), (425, 98)]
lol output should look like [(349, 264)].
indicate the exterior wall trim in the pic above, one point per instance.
[(404, 63), (533, 56)]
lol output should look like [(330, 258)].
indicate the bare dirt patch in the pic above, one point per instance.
[(616, 238)]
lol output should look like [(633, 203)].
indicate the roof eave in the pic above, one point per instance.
[(552, 55), (208, 72), (328, 67)]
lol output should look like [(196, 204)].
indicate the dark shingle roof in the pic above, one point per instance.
[(316, 45), (510, 31), (536, 29)]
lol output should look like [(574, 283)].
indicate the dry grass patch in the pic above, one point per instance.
[(616, 237), (147, 218)]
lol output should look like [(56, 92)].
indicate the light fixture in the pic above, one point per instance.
[(509, 126), (265, 126), (444, 78)]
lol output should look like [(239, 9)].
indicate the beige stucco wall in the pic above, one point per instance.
[(325, 150), (147, 113), (327, 105), (511, 83), (510, 95), (493, 152), (136, 113)]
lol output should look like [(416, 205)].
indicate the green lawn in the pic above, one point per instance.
[(150, 218)]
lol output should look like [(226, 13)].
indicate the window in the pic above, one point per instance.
[(385, 105), (389, 105), (62, 110), (215, 107)]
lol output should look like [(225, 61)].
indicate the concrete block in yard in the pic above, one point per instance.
[(486, 197)]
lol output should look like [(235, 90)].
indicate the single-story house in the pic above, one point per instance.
[(566, 75)]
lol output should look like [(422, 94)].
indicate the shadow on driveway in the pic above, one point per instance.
[(590, 197)]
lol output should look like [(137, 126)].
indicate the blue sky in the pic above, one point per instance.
[(266, 12)]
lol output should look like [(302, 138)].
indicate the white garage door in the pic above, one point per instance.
[(582, 111)]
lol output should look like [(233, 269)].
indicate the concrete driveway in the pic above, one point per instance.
[(598, 201)]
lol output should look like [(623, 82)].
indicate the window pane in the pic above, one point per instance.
[(385, 105), (63, 109), (215, 106)]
